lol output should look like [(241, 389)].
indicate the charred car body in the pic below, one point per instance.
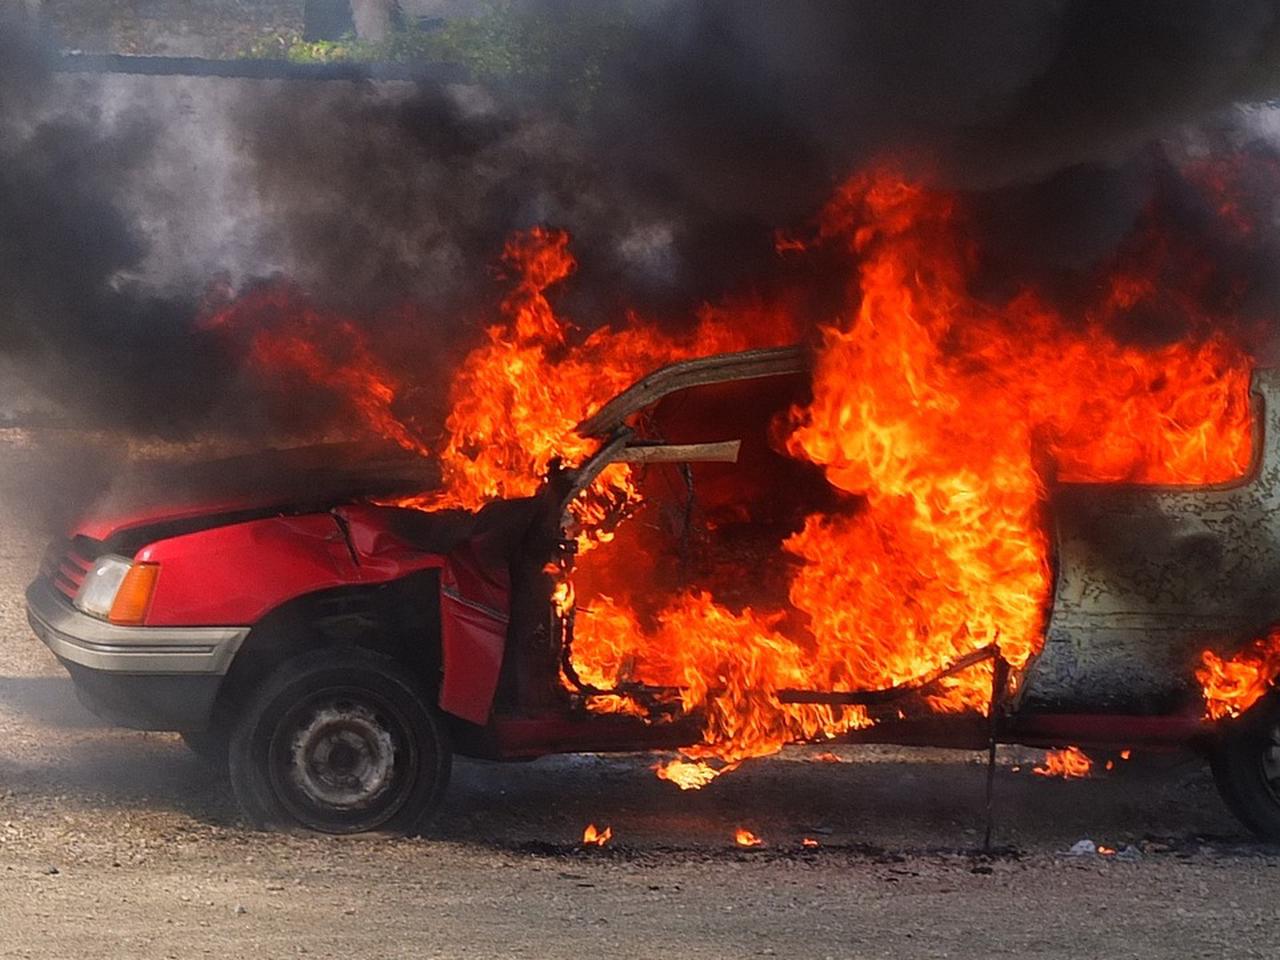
[(336, 653)]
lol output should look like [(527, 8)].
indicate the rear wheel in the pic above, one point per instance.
[(339, 741), (1246, 768)]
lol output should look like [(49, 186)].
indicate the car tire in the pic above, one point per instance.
[(340, 741), (1246, 768)]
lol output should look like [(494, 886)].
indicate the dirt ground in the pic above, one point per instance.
[(121, 844)]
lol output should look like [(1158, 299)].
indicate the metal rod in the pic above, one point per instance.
[(852, 697), (259, 69), (721, 451), (719, 368), (999, 680), (838, 698)]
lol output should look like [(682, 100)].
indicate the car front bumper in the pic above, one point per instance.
[(156, 678)]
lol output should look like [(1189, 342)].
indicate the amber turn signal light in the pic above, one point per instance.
[(134, 596)]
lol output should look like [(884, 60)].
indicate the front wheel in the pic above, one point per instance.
[(1246, 768), (339, 741)]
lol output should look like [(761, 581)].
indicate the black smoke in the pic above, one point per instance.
[(72, 318), (713, 123), (706, 125)]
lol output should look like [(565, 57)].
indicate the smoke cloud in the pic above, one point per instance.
[(705, 127), (711, 124), (85, 333)]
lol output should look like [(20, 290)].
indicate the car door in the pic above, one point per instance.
[(1148, 577)]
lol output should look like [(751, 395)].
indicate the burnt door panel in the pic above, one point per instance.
[(1147, 577)]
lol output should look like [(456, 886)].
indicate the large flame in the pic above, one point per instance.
[(932, 410), (931, 406), (938, 417), (516, 400)]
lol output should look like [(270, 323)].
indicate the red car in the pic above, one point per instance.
[(336, 653)]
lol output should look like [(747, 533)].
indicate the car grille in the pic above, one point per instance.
[(68, 564)]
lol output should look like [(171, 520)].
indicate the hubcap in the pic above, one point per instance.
[(343, 759)]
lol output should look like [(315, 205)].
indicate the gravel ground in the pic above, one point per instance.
[(120, 844)]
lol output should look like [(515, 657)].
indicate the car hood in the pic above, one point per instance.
[(198, 495)]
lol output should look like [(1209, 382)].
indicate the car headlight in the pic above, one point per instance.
[(117, 589)]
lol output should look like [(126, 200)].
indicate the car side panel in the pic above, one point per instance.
[(234, 575), (475, 606), (1148, 577)]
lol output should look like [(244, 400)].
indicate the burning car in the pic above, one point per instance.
[(335, 649), (960, 513)]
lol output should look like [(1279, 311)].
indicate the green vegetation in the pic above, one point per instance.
[(561, 49), (413, 44)]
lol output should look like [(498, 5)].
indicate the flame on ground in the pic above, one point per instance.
[(1070, 764), (591, 837), (688, 774), (745, 838)]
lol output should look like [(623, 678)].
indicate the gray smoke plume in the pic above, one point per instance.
[(713, 123), (88, 335), (702, 128)]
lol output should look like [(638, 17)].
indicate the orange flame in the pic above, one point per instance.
[(320, 348), (949, 553), (810, 842), (688, 774), (516, 400), (931, 407), (938, 419), (1234, 685), (1071, 763), (745, 838), (591, 837)]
